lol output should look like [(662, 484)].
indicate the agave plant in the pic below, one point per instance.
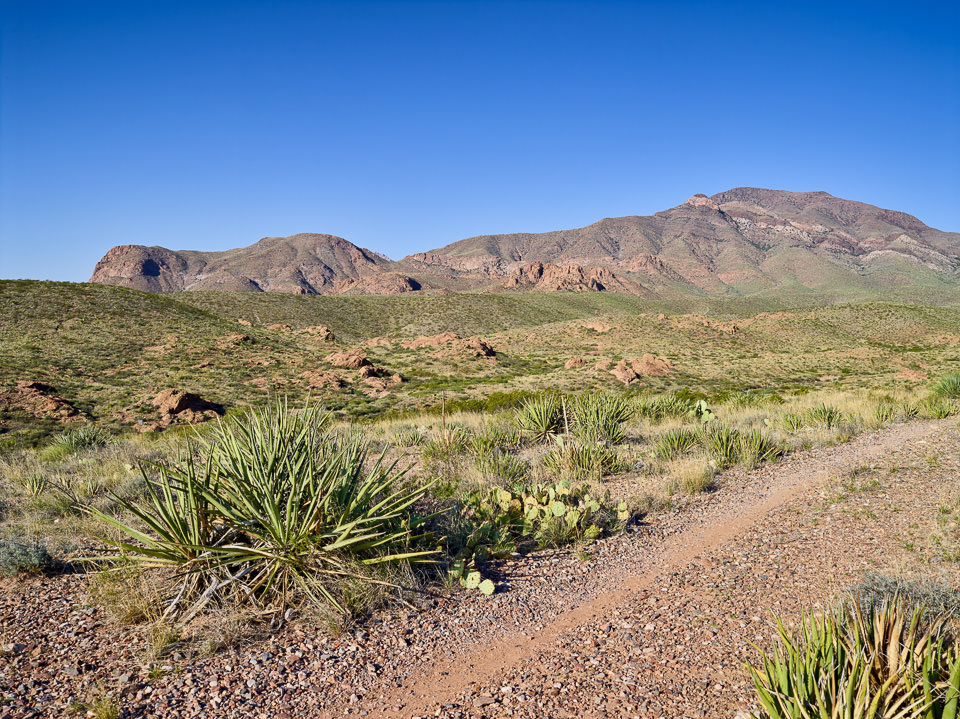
[(277, 509), (724, 445), (757, 448)]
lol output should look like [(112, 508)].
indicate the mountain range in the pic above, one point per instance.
[(745, 241)]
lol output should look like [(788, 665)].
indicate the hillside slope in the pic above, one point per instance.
[(743, 241)]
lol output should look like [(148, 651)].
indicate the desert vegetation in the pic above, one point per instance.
[(344, 481)]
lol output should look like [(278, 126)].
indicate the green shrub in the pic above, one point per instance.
[(825, 415), (272, 511), (444, 447), (75, 440), (541, 417), (677, 442), (792, 422), (948, 386), (657, 409), (936, 599), (860, 663), (884, 413), (409, 436), (18, 558), (494, 438)]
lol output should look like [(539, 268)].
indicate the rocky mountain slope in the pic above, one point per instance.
[(741, 242), (303, 264)]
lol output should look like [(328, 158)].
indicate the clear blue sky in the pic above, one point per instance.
[(405, 126)]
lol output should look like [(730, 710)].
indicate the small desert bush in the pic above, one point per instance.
[(677, 442), (884, 413), (792, 421), (757, 448), (935, 598), (75, 440), (19, 558), (692, 475), (444, 446), (723, 445), (540, 418), (861, 663), (270, 510), (666, 406), (409, 436), (494, 438), (936, 407), (502, 466), (948, 386)]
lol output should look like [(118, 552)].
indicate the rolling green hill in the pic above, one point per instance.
[(110, 350)]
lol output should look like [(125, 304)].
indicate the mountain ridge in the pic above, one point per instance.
[(738, 242)]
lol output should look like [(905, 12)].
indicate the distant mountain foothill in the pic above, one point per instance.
[(745, 241)]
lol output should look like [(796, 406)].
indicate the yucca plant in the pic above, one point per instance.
[(936, 407), (409, 436), (502, 465), (577, 461), (792, 421), (948, 386), (757, 448), (541, 417), (884, 413), (276, 510), (600, 417), (825, 415), (75, 440), (723, 444), (853, 663), (677, 442), (656, 409)]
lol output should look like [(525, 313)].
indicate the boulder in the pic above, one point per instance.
[(651, 366), (184, 407), (431, 341), (574, 362), (351, 359), (624, 372)]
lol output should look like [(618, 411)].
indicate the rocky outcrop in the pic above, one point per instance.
[(443, 338), (386, 283), (350, 359), (41, 400), (548, 277), (175, 407)]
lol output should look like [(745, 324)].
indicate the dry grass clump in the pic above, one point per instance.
[(691, 475)]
